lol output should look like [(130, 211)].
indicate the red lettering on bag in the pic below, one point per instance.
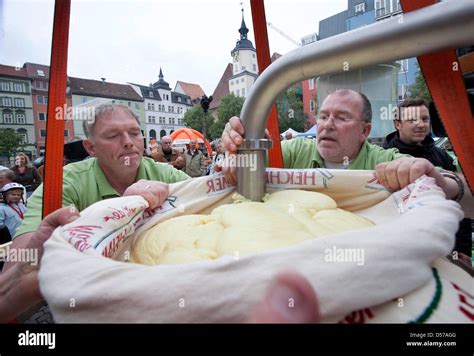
[(463, 298), (358, 317)]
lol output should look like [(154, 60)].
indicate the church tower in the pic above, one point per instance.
[(245, 69)]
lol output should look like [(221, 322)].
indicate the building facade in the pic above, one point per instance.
[(308, 86), (39, 75), (88, 94), (16, 108), (164, 108)]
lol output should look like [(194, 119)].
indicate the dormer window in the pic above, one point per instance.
[(359, 8)]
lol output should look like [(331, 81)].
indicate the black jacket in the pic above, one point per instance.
[(427, 150)]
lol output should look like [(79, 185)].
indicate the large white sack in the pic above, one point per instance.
[(415, 227)]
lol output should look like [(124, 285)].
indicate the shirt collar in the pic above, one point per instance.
[(105, 189)]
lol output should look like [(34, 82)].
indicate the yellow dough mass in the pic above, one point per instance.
[(284, 218)]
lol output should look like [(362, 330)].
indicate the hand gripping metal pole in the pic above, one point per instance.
[(448, 24)]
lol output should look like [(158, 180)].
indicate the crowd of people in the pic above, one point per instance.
[(118, 167)]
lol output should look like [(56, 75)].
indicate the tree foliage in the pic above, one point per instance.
[(419, 89), (290, 111), (196, 119), (230, 105), (10, 141)]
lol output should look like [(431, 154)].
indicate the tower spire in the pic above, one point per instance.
[(243, 28)]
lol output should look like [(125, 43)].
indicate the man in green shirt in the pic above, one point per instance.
[(344, 123), (117, 168)]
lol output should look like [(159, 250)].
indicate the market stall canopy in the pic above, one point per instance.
[(181, 137), (310, 132)]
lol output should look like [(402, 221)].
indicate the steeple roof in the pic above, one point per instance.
[(243, 43)]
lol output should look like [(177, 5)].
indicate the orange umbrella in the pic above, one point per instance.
[(184, 135)]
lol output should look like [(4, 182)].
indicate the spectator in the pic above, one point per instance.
[(26, 174), (412, 135), (288, 136), (12, 207), (218, 158), (6, 176), (167, 154), (195, 161)]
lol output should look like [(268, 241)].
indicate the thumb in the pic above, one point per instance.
[(290, 299)]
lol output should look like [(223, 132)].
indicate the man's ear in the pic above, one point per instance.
[(397, 124), (366, 131), (89, 147)]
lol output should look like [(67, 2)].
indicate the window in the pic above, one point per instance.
[(42, 133), (311, 84), (149, 106), (238, 92), (243, 91), (253, 55), (359, 8), (20, 119), (179, 99), (254, 67), (23, 136), (152, 134), (66, 133), (19, 103), (150, 94), (137, 106), (7, 102), (5, 86), (236, 67), (129, 104), (180, 121), (84, 99), (311, 105), (151, 119), (41, 99), (42, 116), (172, 121), (45, 85), (403, 66), (7, 118), (162, 133), (162, 120), (40, 73), (18, 88)]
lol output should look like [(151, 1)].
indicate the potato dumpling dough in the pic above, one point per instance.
[(285, 218)]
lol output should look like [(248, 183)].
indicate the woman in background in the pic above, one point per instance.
[(26, 174)]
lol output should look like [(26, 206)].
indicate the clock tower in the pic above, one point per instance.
[(244, 60)]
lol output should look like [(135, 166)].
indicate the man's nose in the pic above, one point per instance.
[(127, 140)]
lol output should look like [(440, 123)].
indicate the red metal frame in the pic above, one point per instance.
[(264, 60), (53, 173), (444, 79)]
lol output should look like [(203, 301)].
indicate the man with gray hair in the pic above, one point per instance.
[(117, 168), (343, 126)]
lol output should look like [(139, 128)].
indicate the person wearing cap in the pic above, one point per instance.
[(12, 207)]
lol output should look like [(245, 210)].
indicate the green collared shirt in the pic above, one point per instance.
[(84, 184), (303, 153)]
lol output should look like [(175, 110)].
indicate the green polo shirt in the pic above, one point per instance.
[(84, 184), (303, 153)]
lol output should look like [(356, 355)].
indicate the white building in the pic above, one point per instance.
[(245, 67), (164, 109)]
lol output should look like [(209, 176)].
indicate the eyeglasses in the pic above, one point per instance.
[(338, 121)]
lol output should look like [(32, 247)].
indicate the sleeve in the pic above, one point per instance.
[(36, 178), (2, 217)]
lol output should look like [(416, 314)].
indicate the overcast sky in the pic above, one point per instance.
[(129, 40)]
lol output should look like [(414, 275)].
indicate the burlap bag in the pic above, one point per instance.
[(404, 277)]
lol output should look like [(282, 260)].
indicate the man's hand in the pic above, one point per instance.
[(19, 288), (155, 193), (401, 172)]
